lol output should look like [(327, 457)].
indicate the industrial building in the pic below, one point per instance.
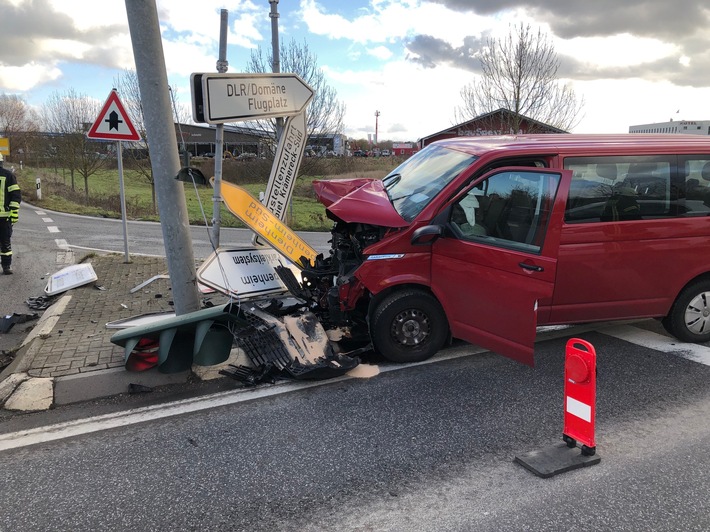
[(684, 127)]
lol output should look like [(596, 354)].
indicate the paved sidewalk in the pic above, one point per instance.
[(70, 346)]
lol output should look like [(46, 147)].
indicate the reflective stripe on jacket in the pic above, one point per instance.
[(10, 196)]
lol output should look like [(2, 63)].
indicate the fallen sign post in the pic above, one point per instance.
[(243, 272), (266, 225), (287, 162)]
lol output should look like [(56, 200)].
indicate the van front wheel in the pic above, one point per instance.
[(409, 326), (689, 318)]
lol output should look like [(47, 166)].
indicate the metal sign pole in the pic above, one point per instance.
[(222, 66), (119, 158)]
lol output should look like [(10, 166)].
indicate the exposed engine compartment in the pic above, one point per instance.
[(330, 286)]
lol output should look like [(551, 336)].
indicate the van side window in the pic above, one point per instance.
[(509, 209), (695, 171), (614, 189)]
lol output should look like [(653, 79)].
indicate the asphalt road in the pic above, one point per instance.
[(420, 447), (425, 447)]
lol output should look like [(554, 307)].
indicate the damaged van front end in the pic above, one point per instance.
[(374, 285)]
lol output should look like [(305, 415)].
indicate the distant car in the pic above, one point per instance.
[(246, 156), (359, 153), (209, 155), (386, 153)]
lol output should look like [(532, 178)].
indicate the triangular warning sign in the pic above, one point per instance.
[(113, 122)]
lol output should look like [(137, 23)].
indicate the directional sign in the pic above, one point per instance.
[(243, 272), (113, 122), (289, 153), (263, 222), (220, 98)]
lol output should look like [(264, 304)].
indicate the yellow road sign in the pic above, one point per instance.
[(5, 146), (265, 224)]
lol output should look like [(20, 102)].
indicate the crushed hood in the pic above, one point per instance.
[(358, 201)]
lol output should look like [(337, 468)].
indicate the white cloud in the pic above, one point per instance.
[(380, 52), (412, 102), (617, 50), (25, 77)]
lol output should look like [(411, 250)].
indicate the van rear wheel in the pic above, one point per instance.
[(689, 318), (409, 326)]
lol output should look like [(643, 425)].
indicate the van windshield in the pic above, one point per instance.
[(414, 183)]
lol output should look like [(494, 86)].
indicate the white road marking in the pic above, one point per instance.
[(695, 352), (80, 427), (53, 229), (61, 243), (47, 220), (40, 213)]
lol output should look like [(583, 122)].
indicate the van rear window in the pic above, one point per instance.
[(612, 189)]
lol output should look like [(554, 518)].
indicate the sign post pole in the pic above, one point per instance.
[(113, 123), (119, 158)]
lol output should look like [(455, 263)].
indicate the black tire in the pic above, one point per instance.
[(409, 326), (689, 318)]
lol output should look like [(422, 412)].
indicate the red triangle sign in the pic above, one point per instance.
[(113, 122)]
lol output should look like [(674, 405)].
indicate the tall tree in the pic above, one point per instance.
[(20, 123), (325, 113), (519, 73), (70, 116)]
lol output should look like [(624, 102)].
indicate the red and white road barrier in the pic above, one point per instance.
[(580, 395)]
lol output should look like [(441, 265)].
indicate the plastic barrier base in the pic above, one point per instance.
[(554, 460)]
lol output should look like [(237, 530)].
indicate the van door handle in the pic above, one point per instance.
[(533, 267)]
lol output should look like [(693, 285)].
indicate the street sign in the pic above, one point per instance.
[(243, 272), (221, 98), (289, 153), (113, 122), (263, 222), (5, 146)]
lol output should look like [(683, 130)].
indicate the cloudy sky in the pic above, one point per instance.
[(633, 62)]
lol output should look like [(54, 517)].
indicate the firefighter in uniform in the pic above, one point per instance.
[(9, 210)]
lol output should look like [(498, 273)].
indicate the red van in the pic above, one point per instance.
[(485, 238)]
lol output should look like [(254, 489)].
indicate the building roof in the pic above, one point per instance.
[(487, 116)]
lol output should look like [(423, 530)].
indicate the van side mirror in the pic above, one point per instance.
[(426, 235)]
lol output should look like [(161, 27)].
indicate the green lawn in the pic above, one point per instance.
[(305, 213)]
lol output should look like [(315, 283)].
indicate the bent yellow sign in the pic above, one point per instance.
[(265, 224)]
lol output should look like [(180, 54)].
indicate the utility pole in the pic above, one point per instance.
[(144, 28), (377, 117), (222, 66), (276, 61)]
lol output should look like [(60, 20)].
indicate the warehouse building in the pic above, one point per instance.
[(684, 127)]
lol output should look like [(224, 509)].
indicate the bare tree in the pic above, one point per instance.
[(70, 115), (519, 73), (138, 152), (325, 113), (20, 123)]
